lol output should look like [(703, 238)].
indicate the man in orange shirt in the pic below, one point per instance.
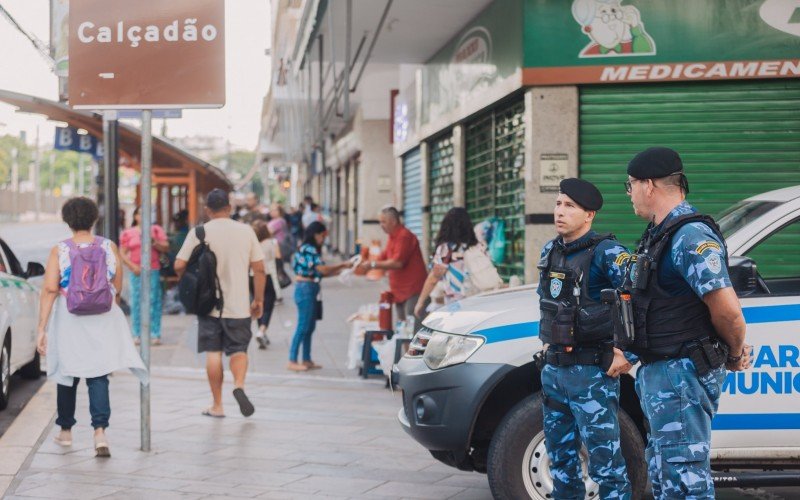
[(402, 259)]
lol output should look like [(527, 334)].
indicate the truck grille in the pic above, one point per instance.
[(420, 341)]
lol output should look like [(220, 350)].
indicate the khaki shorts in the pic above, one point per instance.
[(231, 335)]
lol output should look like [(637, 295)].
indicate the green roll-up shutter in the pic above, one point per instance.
[(495, 187), (736, 139), (412, 192), (441, 180)]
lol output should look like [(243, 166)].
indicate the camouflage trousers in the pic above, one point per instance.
[(679, 406), (593, 401)]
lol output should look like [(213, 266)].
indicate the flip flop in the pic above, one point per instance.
[(207, 413), (245, 405)]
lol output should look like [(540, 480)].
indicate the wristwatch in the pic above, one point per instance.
[(735, 359), (372, 264)]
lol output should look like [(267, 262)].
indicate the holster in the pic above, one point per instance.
[(707, 355), (621, 315)]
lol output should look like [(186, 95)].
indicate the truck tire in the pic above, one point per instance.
[(5, 373), (32, 370), (518, 465)]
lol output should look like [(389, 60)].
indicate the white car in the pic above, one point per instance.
[(19, 309), (471, 393)]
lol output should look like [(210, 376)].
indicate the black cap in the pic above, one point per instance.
[(217, 199), (655, 163), (582, 192)]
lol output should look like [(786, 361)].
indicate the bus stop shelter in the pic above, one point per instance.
[(180, 179)]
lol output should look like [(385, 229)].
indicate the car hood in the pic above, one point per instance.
[(489, 313)]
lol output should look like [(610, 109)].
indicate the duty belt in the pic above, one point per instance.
[(579, 356), (706, 355), (647, 358)]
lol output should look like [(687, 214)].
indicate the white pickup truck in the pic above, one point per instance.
[(19, 315), (471, 394)]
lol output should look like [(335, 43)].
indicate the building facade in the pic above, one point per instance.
[(531, 92), (489, 104)]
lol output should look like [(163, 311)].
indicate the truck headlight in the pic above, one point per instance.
[(445, 350)]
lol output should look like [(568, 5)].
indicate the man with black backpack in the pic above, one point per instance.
[(214, 264)]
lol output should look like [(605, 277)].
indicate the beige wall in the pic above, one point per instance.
[(377, 176), (425, 172), (551, 128)]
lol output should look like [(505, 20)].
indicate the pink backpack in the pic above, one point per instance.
[(88, 290)]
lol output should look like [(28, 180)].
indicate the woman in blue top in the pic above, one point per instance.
[(309, 269)]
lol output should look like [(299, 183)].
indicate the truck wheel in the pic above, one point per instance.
[(32, 370), (518, 465), (5, 374)]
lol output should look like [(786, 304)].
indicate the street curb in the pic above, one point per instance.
[(25, 434)]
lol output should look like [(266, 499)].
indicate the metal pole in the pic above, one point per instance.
[(147, 168), (15, 181), (347, 48), (110, 177), (81, 173), (37, 196)]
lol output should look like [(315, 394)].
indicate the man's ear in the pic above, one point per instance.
[(590, 215)]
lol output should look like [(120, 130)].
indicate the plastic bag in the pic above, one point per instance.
[(497, 245), (386, 350), (346, 276)]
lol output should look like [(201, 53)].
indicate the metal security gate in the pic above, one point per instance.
[(736, 139), (441, 181), (412, 192), (495, 186)]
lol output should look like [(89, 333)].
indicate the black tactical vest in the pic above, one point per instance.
[(569, 317), (664, 323)]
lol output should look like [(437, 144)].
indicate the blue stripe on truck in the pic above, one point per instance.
[(755, 421), (761, 314), (772, 314), (510, 332)]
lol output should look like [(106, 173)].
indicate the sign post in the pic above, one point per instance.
[(144, 275), (146, 55)]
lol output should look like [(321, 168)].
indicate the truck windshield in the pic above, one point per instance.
[(742, 213)]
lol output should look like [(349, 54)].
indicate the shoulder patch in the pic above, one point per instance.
[(707, 245), (714, 263), (622, 258)]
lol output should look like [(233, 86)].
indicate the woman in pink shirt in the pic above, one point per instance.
[(130, 245)]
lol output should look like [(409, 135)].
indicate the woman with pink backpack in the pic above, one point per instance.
[(82, 330)]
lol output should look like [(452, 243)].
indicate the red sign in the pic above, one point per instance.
[(146, 54)]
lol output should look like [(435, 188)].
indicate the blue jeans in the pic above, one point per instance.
[(305, 296), (155, 304), (99, 404)]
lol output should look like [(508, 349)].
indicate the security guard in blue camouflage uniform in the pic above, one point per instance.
[(687, 324), (580, 374)]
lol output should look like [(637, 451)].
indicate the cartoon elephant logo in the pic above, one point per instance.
[(613, 29)]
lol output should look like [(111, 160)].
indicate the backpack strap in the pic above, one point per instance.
[(200, 231), (70, 244)]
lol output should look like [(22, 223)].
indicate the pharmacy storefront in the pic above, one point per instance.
[(718, 81)]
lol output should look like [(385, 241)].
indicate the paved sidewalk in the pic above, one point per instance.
[(309, 438), (320, 434), (329, 344)]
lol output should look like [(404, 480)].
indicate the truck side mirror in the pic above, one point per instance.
[(744, 276)]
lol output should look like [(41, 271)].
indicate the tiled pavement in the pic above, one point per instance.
[(325, 434)]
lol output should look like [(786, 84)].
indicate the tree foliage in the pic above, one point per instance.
[(56, 167)]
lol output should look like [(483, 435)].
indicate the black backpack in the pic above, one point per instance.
[(199, 290)]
